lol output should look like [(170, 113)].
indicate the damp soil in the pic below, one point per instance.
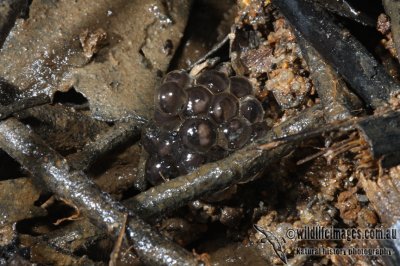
[(100, 64)]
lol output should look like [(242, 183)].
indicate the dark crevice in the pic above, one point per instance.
[(146, 62), (39, 225), (9, 168), (202, 27), (71, 97)]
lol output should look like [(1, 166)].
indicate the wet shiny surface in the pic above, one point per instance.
[(224, 107), (251, 109), (190, 161), (236, 133), (215, 81), (160, 169), (53, 171), (198, 134), (218, 175), (240, 87), (171, 98), (208, 126), (198, 101), (166, 121), (119, 82), (179, 76)]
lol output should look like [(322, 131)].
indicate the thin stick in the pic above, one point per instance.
[(22, 104), (104, 143), (240, 166), (118, 243), (339, 103), (211, 52), (53, 171), (343, 127), (343, 51)]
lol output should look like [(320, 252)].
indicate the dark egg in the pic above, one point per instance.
[(259, 129), (235, 133), (171, 98), (160, 169), (240, 87), (178, 76), (150, 138), (251, 109), (213, 80), (224, 107), (199, 122), (198, 101), (163, 142), (168, 144), (198, 134), (166, 121), (189, 161), (216, 153)]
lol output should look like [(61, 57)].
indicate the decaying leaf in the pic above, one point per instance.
[(17, 197)]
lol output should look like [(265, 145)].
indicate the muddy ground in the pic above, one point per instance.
[(95, 65)]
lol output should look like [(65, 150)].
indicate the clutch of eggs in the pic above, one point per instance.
[(199, 120)]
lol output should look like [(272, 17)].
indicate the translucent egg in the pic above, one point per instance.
[(189, 161), (216, 153), (166, 121), (171, 98), (259, 130), (198, 134), (179, 76), (198, 101), (150, 137), (168, 144), (224, 107), (240, 87), (160, 169), (215, 81), (155, 140), (236, 133), (251, 109), (201, 123)]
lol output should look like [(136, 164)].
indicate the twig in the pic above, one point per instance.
[(104, 143), (242, 165), (339, 103), (381, 132), (53, 171), (211, 52), (118, 243), (345, 126), (383, 137), (343, 8), (60, 117), (22, 104), (348, 56)]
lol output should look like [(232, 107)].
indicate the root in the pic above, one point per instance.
[(118, 243), (353, 142)]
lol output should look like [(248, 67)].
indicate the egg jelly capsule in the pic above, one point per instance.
[(224, 107), (198, 101), (240, 86), (170, 98), (198, 134), (213, 80)]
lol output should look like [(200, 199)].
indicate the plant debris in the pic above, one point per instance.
[(78, 82)]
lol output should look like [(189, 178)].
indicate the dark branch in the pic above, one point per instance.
[(346, 54), (53, 171)]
